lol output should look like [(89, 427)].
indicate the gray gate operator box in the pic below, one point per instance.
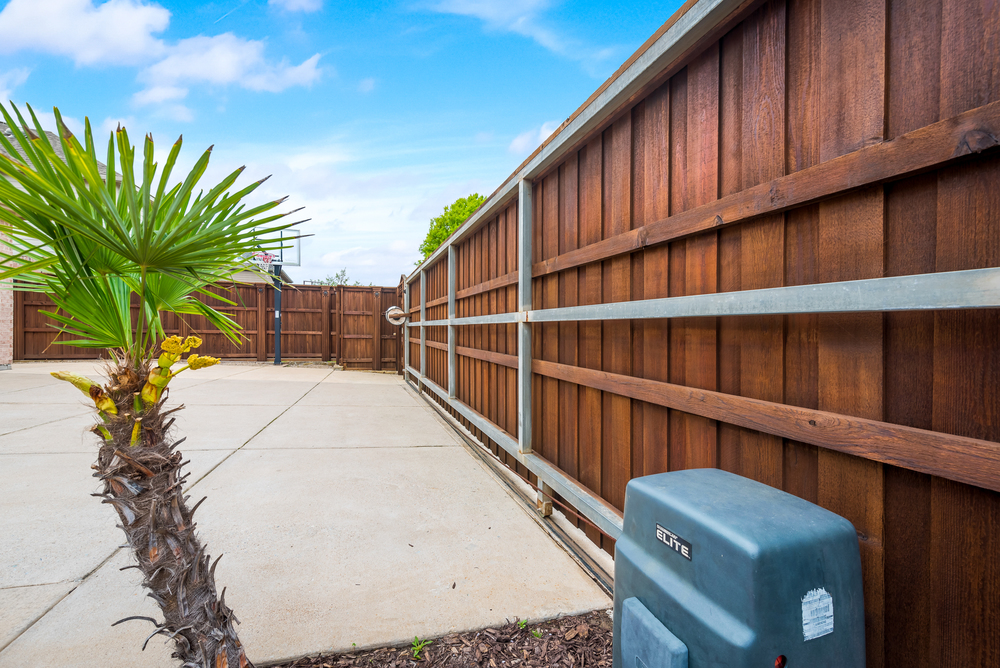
[(713, 569)]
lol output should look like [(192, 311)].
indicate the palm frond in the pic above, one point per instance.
[(93, 240)]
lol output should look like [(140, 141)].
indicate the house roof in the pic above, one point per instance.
[(56, 145)]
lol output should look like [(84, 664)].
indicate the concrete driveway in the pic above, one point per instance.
[(349, 513)]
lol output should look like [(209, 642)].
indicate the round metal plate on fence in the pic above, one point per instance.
[(395, 315)]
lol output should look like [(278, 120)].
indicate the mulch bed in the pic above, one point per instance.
[(567, 641)]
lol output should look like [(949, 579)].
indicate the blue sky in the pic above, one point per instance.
[(372, 116)]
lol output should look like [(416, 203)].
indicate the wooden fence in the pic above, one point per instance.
[(760, 146), (318, 322)]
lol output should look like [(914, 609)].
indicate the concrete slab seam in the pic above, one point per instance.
[(287, 408), (61, 599), (69, 417)]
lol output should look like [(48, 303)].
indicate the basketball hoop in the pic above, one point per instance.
[(263, 260)]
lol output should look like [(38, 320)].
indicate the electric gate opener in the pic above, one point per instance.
[(713, 569)]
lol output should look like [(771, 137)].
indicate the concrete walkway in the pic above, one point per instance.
[(349, 513)]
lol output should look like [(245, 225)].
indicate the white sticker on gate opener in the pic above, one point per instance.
[(817, 614)]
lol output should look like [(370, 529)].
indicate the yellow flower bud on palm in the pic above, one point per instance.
[(173, 345), (202, 361), (191, 342)]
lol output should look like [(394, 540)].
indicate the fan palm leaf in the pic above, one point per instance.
[(87, 238)]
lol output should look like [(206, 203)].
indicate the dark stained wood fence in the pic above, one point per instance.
[(800, 142), (312, 325), (368, 340)]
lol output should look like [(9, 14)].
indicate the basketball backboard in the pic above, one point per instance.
[(291, 253)]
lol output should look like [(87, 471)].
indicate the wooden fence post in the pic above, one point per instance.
[(376, 329), (19, 325), (340, 323), (406, 330), (261, 323), (325, 328)]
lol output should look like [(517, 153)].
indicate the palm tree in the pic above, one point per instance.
[(92, 241)]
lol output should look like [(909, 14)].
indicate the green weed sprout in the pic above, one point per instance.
[(418, 645)]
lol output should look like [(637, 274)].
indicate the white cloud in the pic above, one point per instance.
[(122, 32), (220, 60), (115, 32), (517, 16), (297, 5), (526, 142), (158, 94), (523, 17), (10, 80), (367, 212), (500, 12), (366, 85)]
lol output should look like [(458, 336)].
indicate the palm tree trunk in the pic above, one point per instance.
[(141, 470)]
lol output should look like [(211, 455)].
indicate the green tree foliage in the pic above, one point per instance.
[(454, 215), (340, 278)]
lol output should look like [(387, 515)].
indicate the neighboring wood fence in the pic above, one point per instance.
[(761, 146), (318, 322)]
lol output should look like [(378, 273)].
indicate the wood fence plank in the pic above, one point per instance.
[(677, 262), (637, 285), (590, 351), (701, 253), (911, 218), (656, 333), (762, 241), (731, 122), (617, 460), (548, 343), (569, 281), (851, 246)]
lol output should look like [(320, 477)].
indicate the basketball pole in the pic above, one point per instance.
[(277, 313)]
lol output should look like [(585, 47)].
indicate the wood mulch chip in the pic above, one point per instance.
[(575, 642)]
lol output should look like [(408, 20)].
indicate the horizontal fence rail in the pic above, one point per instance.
[(970, 289)]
